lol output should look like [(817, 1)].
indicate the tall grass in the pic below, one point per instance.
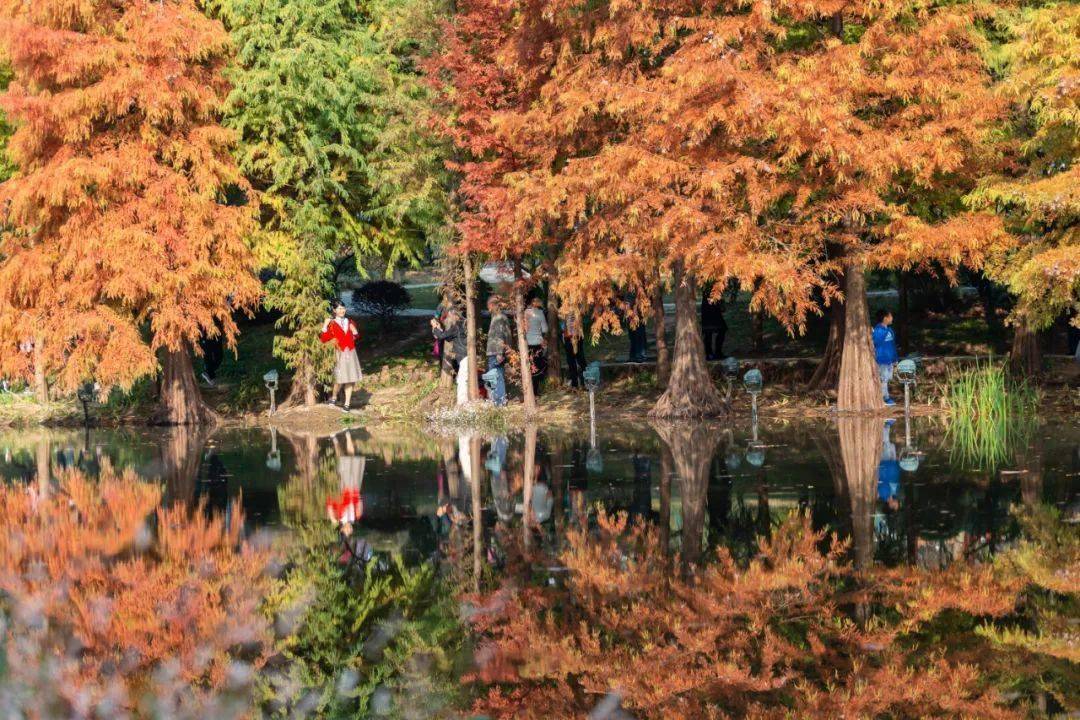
[(990, 415)]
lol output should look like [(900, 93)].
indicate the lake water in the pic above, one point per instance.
[(916, 502)]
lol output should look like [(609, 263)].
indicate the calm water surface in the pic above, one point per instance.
[(897, 491)]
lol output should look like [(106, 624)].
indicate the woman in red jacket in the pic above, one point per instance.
[(343, 332)]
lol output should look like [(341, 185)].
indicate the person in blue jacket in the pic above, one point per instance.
[(885, 351), (888, 470)]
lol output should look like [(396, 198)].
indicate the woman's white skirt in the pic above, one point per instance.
[(347, 368)]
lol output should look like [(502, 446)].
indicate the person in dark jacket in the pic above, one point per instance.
[(451, 332), (713, 325), (573, 336), (885, 351)]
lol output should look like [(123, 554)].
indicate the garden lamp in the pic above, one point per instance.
[(271, 381), (752, 382), (591, 376), (273, 458), (909, 456), (905, 373)]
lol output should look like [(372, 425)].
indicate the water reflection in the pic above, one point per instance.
[(702, 484)]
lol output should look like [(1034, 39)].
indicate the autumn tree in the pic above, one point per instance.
[(771, 147), (1037, 195), (159, 608), (126, 215), (330, 111)]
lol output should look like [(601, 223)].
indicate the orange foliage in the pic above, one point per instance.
[(770, 640), (116, 217), (100, 607)]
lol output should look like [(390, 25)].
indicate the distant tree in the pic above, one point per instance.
[(1037, 196), (382, 299), (331, 115), (125, 220)]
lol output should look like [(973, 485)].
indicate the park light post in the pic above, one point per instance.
[(905, 373), (271, 381), (752, 382), (909, 456), (273, 458), (591, 376)]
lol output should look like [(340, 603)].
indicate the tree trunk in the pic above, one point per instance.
[(827, 374), (43, 466), (181, 454), (666, 471), (903, 316), (1025, 360), (524, 364), (528, 520), (470, 328), (477, 508), (302, 390), (692, 447), (860, 450), (757, 331), (41, 383), (179, 398), (860, 386), (690, 391), (663, 355)]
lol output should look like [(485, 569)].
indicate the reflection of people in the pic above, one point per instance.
[(343, 332), (500, 486), (885, 352), (888, 470), (347, 507)]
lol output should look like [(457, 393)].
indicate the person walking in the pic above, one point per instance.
[(347, 372), (536, 328), (885, 351), (450, 331), (573, 337), (498, 340)]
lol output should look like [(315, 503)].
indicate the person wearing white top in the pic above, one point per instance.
[(536, 328)]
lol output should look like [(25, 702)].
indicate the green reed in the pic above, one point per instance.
[(990, 415)]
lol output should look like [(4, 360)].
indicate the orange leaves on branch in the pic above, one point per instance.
[(100, 605), (126, 210)]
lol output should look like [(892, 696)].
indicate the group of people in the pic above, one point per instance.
[(451, 338)]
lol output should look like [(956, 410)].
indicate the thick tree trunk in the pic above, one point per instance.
[(527, 394), (43, 466), (692, 447), (554, 339), (827, 374), (179, 398), (903, 316), (302, 390), (1025, 359), (663, 354), (470, 327), (860, 450), (41, 383), (860, 385), (690, 391), (181, 454), (666, 473)]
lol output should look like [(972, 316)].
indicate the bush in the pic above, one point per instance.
[(990, 415), (382, 299)]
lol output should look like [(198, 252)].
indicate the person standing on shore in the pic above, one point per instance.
[(885, 352), (536, 328), (498, 339), (347, 372), (451, 332), (573, 336)]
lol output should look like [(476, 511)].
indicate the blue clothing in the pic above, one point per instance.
[(884, 345), (888, 484), (498, 394), (885, 373)]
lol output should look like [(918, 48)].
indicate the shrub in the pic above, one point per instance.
[(990, 415), (382, 299)]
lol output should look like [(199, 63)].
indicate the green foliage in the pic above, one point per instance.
[(331, 652), (330, 109), (990, 415)]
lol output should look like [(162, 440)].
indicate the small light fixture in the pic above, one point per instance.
[(906, 371), (270, 379)]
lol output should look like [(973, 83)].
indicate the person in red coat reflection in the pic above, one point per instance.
[(347, 373)]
